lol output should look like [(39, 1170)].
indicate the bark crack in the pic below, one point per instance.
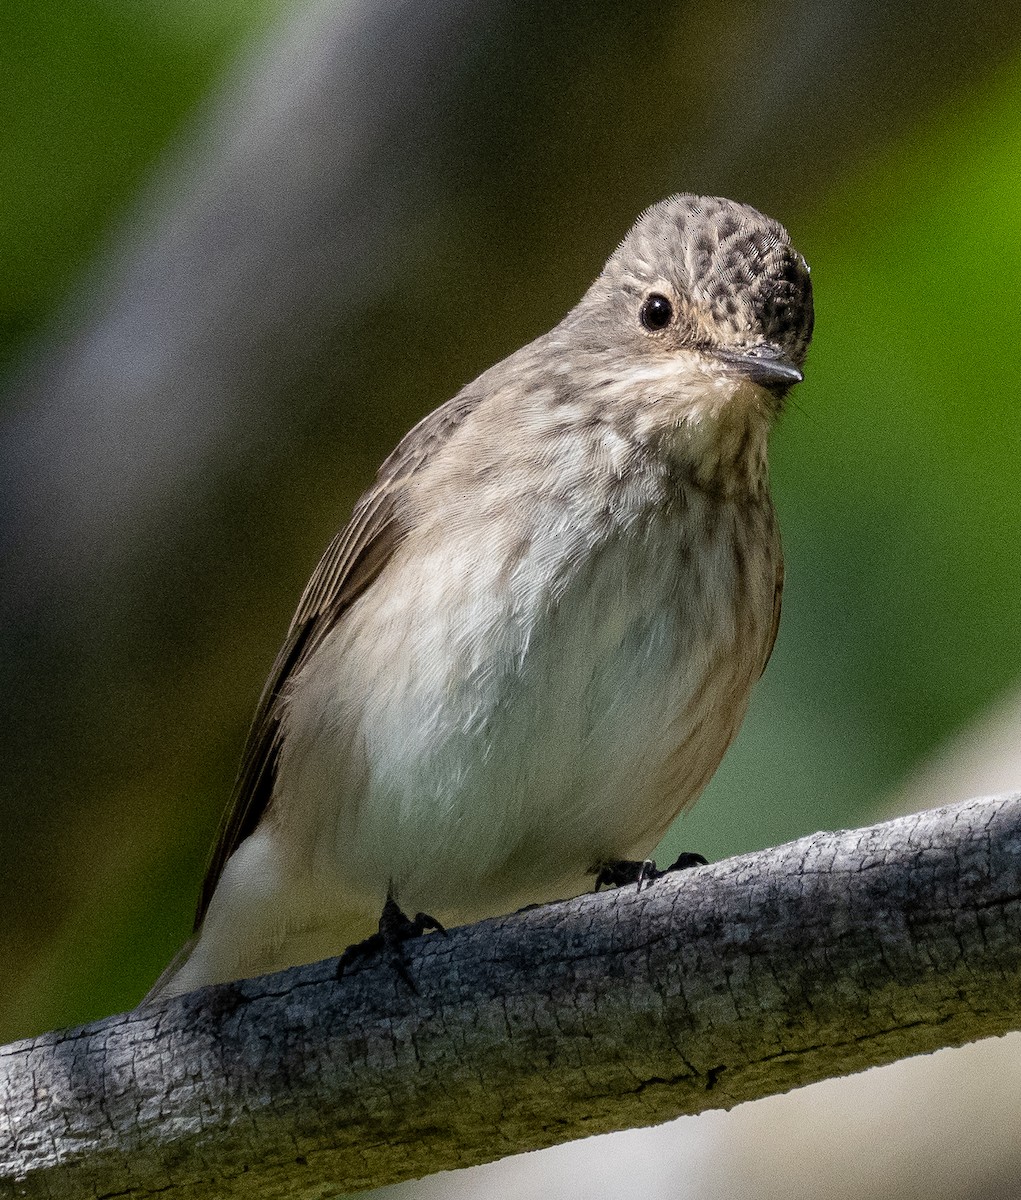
[(743, 979)]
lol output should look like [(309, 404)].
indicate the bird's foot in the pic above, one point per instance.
[(625, 871), (395, 928)]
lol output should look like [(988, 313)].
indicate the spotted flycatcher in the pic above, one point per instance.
[(533, 642)]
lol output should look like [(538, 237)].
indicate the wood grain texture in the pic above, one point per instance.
[(758, 974)]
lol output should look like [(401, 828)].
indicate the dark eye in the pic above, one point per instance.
[(657, 312)]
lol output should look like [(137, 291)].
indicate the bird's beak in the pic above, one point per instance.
[(765, 364)]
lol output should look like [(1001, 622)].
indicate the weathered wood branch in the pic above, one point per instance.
[(834, 953)]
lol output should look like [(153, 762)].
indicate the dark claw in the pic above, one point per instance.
[(620, 874), (623, 872), (684, 862), (395, 928)]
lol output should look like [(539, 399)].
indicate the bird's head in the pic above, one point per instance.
[(704, 291)]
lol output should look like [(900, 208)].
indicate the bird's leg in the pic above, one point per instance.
[(395, 928), (624, 871)]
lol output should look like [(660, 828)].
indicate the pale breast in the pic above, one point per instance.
[(491, 724)]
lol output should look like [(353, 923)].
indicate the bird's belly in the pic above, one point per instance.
[(507, 744)]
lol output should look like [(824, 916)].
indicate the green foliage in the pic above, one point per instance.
[(91, 92)]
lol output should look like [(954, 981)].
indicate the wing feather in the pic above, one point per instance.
[(777, 605), (352, 562)]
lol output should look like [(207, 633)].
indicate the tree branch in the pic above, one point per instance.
[(762, 973)]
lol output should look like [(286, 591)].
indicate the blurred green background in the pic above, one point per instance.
[(244, 247)]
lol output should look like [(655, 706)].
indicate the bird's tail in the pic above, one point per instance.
[(158, 991)]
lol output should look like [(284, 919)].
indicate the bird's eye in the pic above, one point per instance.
[(657, 312)]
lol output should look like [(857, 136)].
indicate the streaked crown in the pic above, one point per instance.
[(734, 270)]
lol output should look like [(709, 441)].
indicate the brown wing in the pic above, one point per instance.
[(777, 604), (352, 562)]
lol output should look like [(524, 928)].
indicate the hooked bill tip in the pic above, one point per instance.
[(766, 365)]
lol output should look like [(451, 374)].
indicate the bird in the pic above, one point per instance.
[(531, 645)]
